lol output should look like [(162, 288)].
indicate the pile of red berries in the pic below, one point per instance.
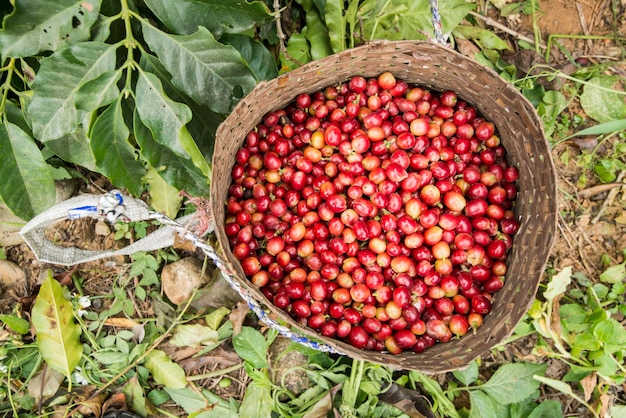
[(375, 212)]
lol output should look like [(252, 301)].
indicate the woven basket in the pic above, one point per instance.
[(520, 130)]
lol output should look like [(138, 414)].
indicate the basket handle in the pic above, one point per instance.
[(114, 206)]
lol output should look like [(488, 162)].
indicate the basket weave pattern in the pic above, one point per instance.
[(519, 128)]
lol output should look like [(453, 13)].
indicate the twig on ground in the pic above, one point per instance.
[(609, 198), (583, 24), (489, 21)]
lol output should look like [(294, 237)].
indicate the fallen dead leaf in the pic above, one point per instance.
[(92, 405), (237, 316), (588, 384), (121, 322), (117, 402)]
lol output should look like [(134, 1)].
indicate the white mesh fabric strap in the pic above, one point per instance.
[(111, 207)]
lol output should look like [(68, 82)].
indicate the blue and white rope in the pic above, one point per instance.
[(440, 38)]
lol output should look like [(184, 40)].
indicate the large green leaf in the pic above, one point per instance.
[(53, 109), (58, 336), (211, 73), (46, 25), (513, 382), (218, 16), (27, 185), (407, 19), (165, 371), (115, 156), (203, 124), (257, 401), (603, 98), (74, 148), (336, 24), (99, 92), (482, 405), (251, 346), (298, 49), (317, 33), (258, 58), (165, 118), (486, 39), (164, 197), (175, 170)]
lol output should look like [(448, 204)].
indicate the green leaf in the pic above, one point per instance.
[(298, 49), (115, 156), (257, 57), (53, 109), (604, 128), (558, 284), (175, 170), (603, 99), (482, 405), (58, 336), (257, 401), (166, 120), (336, 24), (513, 382), (609, 331), (165, 371), (618, 411), (406, 19), (547, 409), (190, 400), (193, 335), (317, 33), (164, 198), (98, 92), (468, 375), (252, 347), (522, 409), (218, 16), (27, 185), (15, 323), (614, 274), (215, 318), (204, 122), (483, 37), (211, 73), (46, 25), (74, 148)]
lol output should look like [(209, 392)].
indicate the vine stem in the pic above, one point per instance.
[(6, 86)]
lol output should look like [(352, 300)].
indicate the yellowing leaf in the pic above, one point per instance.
[(164, 197), (58, 336), (165, 371)]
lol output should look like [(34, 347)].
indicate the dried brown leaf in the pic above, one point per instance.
[(121, 322), (237, 316), (117, 402), (588, 384), (92, 405)]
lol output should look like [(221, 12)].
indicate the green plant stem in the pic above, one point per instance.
[(130, 43), (556, 73), (216, 373), (6, 86), (536, 31), (565, 36)]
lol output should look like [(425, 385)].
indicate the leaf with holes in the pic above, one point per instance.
[(58, 336), (211, 73), (53, 109), (46, 25), (27, 185)]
